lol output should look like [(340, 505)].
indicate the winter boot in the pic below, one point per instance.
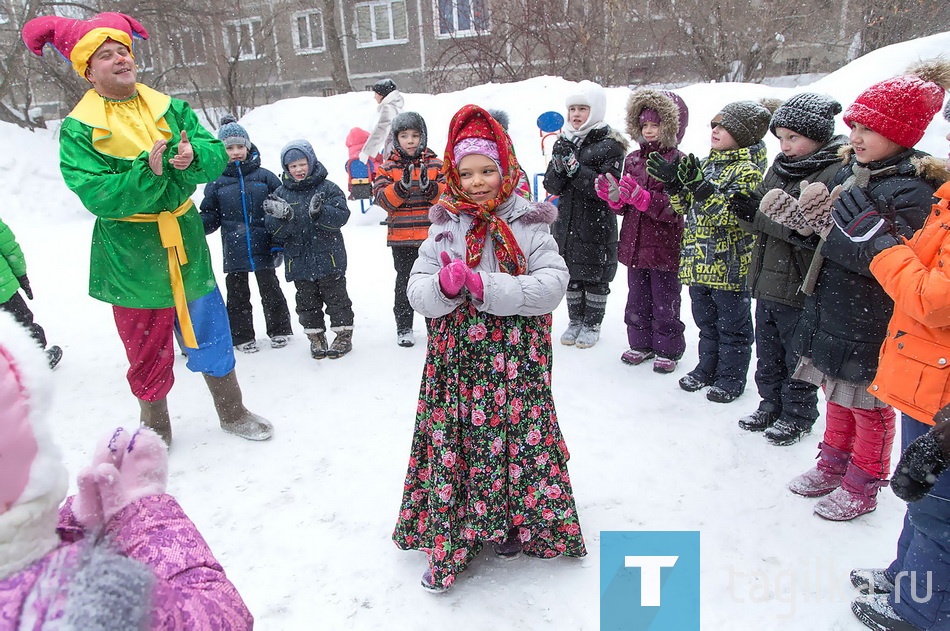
[(758, 421), (342, 344), (635, 357), (872, 581), (664, 365), (575, 311), (405, 338), (721, 395), (511, 546), (318, 344), (248, 347), (429, 584), (279, 341), (53, 355), (235, 418), (691, 383), (154, 415), (588, 336), (826, 476), (876, 612), (784, 433), (856, 496)]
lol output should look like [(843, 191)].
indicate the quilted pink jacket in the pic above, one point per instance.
[(190, 589)]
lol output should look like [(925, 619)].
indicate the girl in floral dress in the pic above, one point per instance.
[(488, 462)]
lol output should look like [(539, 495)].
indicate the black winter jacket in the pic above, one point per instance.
[(234, 203), (313, 248), (845, 320), (586, 228), (781, 256)]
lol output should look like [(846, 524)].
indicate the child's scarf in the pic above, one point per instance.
[(473, 122)]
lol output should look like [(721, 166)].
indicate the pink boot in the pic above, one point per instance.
[(826, 476), (856, 496)]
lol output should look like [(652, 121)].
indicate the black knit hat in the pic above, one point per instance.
[(384, 86), (409, 120), (746, 121), (809, 114)]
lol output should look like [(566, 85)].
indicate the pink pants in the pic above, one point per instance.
[(867, 434)]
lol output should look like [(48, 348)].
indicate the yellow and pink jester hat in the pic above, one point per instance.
[(77, 40)]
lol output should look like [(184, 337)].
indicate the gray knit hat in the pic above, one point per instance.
[(946, 111), (746, 121), (809, 114), (230, 133)]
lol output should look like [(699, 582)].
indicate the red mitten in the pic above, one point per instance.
[(452, 276), (473, 281)]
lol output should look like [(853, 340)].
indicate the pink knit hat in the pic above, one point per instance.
[(469, 146), (30, 464)]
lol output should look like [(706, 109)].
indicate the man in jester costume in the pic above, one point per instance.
[(134, 156)]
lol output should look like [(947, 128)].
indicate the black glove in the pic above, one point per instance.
[(316, 205), (920, 464), (402, 186), (571, 164), (744, 207), (427, 187), (25, 285), (562, 148), (665, 172), (690, 174), (868, 224), (277, 207)]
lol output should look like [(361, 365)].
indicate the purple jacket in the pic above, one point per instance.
[(650, 239), (190, 590)]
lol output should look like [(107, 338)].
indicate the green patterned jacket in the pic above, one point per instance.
[(716, 250)]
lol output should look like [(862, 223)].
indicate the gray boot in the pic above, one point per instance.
[(595, 305), (575, 311), (235, 418), (154, 415), (318, 344)]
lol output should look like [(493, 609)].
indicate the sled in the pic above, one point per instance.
[(360, 182)]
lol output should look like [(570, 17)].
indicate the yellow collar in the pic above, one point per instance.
[(124, 129)]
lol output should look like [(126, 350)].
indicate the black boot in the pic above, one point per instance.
[(235, 418), (154, 415), (876, 612)]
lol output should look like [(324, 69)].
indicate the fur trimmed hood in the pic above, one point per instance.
[(674, 115)]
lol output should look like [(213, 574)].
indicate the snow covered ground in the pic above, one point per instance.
[(302, 523)]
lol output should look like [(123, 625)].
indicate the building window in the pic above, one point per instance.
[(240, 38), (462, 17), (188, 47), (308, 32), (142, 49), (797, 65), (381, 23)]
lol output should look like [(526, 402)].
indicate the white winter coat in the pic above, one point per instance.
[(537, 292), (379, 140)]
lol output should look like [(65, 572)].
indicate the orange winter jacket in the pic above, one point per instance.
[(407, 215), (913, 373)]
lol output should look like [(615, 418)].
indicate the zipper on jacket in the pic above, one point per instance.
[(247, 221)]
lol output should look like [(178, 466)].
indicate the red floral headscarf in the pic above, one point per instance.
[(473, 122)]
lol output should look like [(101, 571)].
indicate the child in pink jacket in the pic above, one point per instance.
[(121, 554)]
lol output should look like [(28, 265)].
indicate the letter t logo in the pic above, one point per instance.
[(649, 576)]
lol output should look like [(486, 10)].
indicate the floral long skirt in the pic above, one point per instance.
[(487, 453)]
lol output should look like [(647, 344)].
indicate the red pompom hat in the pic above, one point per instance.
[(77, 40), (901, 108)]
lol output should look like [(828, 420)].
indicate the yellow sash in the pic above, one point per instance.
[(170, 232)]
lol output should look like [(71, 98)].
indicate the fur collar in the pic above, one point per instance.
[(528, 212)]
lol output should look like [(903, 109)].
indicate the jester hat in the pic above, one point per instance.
[(77, 40)]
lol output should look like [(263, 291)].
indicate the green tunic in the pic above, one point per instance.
[(12, 263), (128, 265)]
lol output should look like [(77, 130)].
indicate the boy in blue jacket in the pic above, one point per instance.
[(305, 216), (235, 203)]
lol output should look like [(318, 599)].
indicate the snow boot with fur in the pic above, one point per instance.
[(856, 496), (318, 344), (342, 344), (154, 415)]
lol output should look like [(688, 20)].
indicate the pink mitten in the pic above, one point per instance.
[(143, 472), (473, 281), (87, 507), (452, 275), (632, 193)]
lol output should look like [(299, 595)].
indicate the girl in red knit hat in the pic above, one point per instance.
[(488, 462), (845, 318)]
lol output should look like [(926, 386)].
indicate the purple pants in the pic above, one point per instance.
[(652, 314)]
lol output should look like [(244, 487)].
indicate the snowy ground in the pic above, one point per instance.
[(302, 523)]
